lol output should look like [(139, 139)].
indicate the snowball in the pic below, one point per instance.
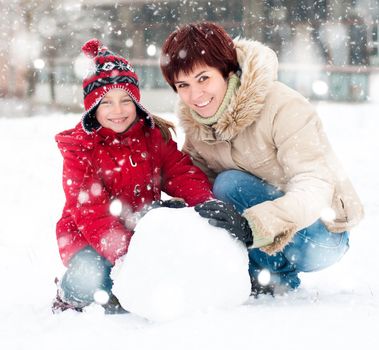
[(182, 53), (178, 264), (101, 297), (264, 277), (115, 207), (84, 66), (328, 214), (96, 189), (83, 197)]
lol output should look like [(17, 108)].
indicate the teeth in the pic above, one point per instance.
[(118, 120), (203, 104)]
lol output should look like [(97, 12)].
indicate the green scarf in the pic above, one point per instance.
[(233, 85)]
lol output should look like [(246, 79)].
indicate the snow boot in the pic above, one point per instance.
[(272, 289), (113, 306), (258, 289), (59, 305)]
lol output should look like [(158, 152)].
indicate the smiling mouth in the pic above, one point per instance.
[(118, 120), (203, 104)]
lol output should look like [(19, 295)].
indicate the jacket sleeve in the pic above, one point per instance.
[(297, 135), (180, 178), (89, 205)]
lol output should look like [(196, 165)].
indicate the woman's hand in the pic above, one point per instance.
[(225, 215)]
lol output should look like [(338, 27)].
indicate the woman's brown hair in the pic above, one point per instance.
[(195, 44)]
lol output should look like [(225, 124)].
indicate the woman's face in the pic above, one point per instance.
[(116, 111), (202, 90)]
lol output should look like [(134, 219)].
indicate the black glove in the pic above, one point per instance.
[(225, 215), (169, 203)]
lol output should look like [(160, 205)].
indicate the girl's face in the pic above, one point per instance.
[(202, 90), (116, 111)]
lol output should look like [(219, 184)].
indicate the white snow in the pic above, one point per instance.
[(177, 265), (335, 308)]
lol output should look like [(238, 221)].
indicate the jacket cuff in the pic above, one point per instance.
[(269, 242), (259, 239)]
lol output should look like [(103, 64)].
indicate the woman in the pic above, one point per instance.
[(263, 145)]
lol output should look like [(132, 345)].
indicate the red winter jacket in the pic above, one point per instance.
[(133, 168)]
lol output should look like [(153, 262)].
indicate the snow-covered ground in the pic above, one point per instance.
[(338, 307)]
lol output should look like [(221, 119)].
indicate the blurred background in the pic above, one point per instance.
[(327, 49)]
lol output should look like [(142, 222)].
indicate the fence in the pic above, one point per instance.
[(317, 82)]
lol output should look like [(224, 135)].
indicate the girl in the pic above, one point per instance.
[(116, 163), (263, 145)]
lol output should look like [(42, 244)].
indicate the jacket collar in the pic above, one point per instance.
[(259, 66)]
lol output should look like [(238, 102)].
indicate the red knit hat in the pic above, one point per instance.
[(110, 72)]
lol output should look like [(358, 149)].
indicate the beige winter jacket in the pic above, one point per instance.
[(273, 132)]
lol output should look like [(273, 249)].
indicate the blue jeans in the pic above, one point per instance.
[(87, 273), (312, 248)]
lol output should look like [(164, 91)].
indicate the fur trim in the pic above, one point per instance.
[(259, 66), (279, 241)]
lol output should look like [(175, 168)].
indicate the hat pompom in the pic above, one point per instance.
[(92, 47)]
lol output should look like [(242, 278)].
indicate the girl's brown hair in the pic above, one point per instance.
[(195, 44), (164, 126)]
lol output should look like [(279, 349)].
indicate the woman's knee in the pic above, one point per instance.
[(316, 253), (242, 188), (234, 181), (225, 183)]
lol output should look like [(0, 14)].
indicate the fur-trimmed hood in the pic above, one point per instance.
[(259, 65)]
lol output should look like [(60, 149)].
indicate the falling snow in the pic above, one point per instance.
[(41, 40), (115, 207), (342, 297)]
